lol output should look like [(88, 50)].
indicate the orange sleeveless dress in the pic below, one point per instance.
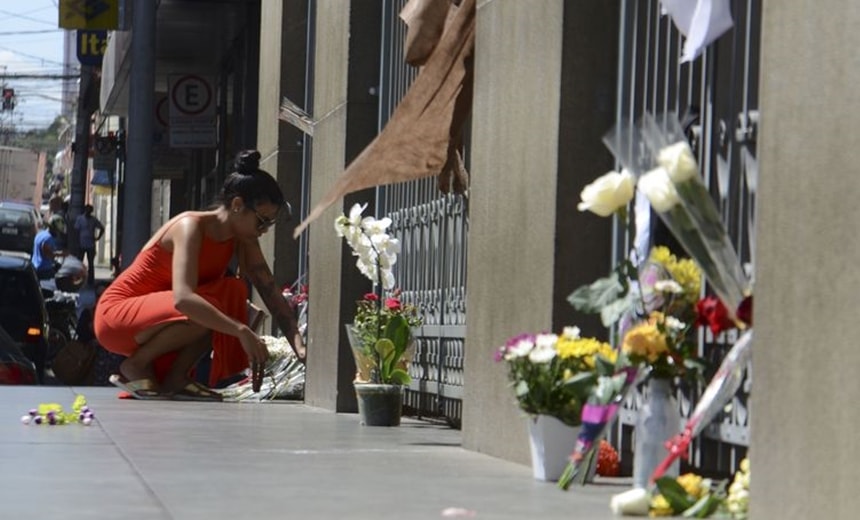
[(142, 296)]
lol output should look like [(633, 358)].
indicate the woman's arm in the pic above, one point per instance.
[(187, 237), (252, 264)]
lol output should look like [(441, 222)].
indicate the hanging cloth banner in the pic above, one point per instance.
[(701, 22), (423, 135)]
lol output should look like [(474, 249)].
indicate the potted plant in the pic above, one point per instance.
[(381, 335)]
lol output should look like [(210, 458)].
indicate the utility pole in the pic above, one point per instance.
[(78, 184), (137, 209)]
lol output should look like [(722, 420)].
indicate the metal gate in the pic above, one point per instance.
[(431, 271), (717, 95)]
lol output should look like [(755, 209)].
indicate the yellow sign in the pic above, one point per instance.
[(89, 14)]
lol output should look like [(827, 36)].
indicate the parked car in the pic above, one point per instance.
[(15, 367), (23, 314), (19, 223)]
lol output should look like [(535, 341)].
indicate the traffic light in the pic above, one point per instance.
[(8, 98)]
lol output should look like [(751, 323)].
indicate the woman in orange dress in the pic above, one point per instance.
[(176, 300)]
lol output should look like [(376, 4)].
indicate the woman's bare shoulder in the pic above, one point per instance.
[(187, 223)]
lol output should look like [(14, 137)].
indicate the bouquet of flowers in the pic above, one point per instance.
[(662, 341), (283, 376), (554, 374), (656, 315), (381, 335), (690, 496)]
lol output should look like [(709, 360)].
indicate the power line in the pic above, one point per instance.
[(34, 31), (23, 17), (40, 76), (31, 56)]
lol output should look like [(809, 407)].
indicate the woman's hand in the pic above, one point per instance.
[(299, 346), (254, 346)]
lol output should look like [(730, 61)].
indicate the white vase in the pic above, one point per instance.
[(659, 420), (552, 442)]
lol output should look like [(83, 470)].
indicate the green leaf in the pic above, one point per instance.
[(674, 493), (593, 298), (581, 381), (703, 508), (604, 366), (613, 311), (385, 349), (397, 330), (400, 377)]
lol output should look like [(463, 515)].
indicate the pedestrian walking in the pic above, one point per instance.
[(90, 230)]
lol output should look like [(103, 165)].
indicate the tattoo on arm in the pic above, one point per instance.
[(264, 282)]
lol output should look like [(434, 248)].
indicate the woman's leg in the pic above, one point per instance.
[(188, 356), (162, 339)]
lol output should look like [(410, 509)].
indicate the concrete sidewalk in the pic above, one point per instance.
[(153, 460)]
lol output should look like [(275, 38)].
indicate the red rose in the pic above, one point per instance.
[(745, 311), (712, 313), (392, 304), (371, 297)]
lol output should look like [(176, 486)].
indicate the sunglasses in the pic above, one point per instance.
[(264, 223)]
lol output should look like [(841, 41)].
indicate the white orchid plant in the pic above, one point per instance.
[(382, 328)]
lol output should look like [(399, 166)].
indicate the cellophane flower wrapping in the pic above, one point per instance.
[(694, 218), (283, 376), (597, 416)]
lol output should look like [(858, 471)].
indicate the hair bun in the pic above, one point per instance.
[(248, 161)]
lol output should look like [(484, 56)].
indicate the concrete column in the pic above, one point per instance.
[(804, 448), (544, 95), (347, 65), (138, 177), (283, 43)]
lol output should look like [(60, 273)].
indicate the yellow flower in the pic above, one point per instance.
[(660, 507), (585, 349), (645, 341), (685, 271), (692, 484), (661, 255)]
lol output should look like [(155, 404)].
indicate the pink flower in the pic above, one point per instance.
[(392, 304), (371, 297)]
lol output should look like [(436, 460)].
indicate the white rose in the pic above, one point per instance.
[(607, 193), (658, 188), (634, 502), (678, 161)]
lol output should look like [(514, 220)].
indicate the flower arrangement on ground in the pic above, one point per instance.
[(690, 496), (283, 375), (555, 374), (382, 331), (654, 303)]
